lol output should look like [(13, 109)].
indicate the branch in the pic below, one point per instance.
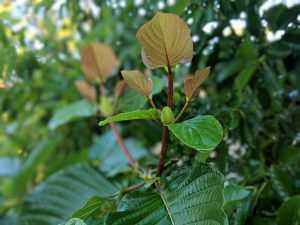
[(182, 110), (131, 188), (122, 144)]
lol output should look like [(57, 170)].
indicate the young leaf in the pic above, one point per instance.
[(134, 115), (188, 196), (192, 83), (202, 133), (97, 61), (138, 81), (119, 88), (86, 91), (166, 41)]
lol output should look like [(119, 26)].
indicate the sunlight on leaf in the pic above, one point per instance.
[(166, 41)]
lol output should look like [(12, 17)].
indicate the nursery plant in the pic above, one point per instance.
[(168, 194)]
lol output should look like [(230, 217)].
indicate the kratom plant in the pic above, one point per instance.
[(186, 195)]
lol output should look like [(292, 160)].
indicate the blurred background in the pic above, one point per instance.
[(47, 131)]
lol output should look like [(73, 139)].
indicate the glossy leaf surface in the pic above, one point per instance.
[(189, 196), (202, 133)]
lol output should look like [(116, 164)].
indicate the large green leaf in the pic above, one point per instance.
[(71, 112), (202, 133), (189, 196), (55, 199), (134, 115), (289, 212)]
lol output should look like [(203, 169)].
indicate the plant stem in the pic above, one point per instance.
[(118, 136), (163, 152), (170, 86), (131, 188), (182, 111), (165, 134), (122, 144), (152, 103)]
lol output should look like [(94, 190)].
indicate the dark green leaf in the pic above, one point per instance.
[(289, 212), (188, 196), (282, 182), (202, 133), (244, 76), (134, 115)]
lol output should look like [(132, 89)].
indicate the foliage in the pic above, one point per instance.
[(55, 161)]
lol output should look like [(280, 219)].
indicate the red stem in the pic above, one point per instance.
[(131, 188), (122, 144), (170, 86), (165, 134)]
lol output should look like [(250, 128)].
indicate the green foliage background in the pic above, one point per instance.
[(253, 90)]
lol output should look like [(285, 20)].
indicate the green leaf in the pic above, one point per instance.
[(189, 196), (74, 221), (131, 101), (233, 195), (289, 212), (202, 133), (245, 76), (71, 112), (54, 200), (134, 115), (282, 182), (94, 204)]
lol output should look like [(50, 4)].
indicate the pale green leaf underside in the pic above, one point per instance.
[(76, 110), (134, 115), (188, 196), (202, 133)]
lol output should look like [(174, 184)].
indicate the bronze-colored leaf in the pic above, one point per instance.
[(166, 40), (86, 91), (97, 61), (138, 81), (121, 84), (192, 83)]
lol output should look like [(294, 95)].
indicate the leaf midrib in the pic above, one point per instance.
[(167, 208)]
